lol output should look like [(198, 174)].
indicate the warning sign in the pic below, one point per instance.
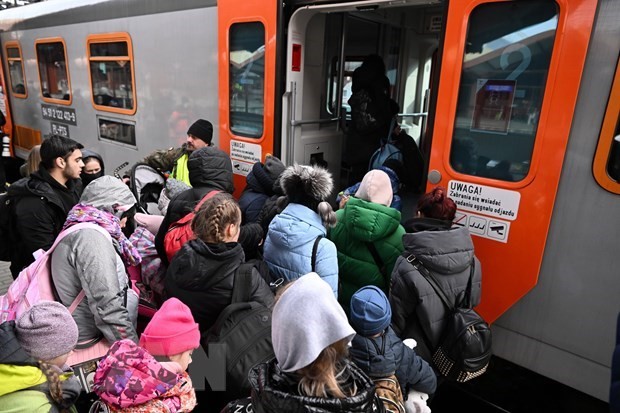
[(243, 155), (500, 203), (241, 168), (493, 229)]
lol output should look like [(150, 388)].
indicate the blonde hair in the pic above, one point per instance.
[(55, 386), (215, 214), (325, 375), (33, 160)]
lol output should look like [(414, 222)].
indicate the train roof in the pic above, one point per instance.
[(64, 12)]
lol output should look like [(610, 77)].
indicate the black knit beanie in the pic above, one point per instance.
[(202, 129)]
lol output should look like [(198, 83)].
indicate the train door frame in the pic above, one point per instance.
[(324, 135)]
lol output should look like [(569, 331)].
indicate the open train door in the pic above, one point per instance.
[(247, 65), (507, 88)]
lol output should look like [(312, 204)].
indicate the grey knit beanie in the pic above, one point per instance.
[(47, 330), (307, 319)]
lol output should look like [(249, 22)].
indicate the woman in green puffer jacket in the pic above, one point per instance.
[(367, 226)]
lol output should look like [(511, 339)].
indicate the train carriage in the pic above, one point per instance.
[(515, 105)]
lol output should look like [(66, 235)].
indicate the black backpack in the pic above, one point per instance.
[(245, 328), (464, 349)]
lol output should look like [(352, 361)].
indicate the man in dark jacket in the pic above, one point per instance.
[(210, 169), (40, 203)]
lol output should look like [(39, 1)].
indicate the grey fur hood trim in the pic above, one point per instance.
[(107, 192), (302, 182)]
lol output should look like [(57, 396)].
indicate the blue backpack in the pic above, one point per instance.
[(387, 151)]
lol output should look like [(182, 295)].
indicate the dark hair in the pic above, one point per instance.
[(435, 204), (56, 146)]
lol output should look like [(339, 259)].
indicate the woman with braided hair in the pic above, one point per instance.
[(34, 376), (202, 273)]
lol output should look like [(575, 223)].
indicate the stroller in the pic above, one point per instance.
[(146, 184)]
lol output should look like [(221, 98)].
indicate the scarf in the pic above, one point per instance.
[(107, 221)]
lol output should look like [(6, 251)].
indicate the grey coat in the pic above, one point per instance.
[(417, 311), (88, 260)]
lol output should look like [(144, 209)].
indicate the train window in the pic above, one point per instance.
[(111, 72), (606, 165), (505, 65), (247, 78), (350, 64), (16, 70), (117, 130), (53, 71)]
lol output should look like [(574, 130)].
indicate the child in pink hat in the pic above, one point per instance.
[(152, 377)]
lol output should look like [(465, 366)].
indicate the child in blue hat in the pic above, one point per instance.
[(378, 351)]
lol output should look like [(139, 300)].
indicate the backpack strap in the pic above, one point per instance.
[(242, 285), (315, 248), (417, 264), (210, 195), (377, 258)]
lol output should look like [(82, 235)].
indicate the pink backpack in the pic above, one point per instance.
[(34, 282)]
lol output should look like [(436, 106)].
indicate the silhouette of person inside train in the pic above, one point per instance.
[(372, 111)]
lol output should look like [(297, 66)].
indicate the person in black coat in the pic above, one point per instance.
[(202, 273), (261, 185), (41, 202), (210, 169)]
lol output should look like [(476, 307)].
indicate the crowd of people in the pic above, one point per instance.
[(349, 312)]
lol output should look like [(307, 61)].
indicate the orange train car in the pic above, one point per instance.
[(514, 104)]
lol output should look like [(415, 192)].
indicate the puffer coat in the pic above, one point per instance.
[(361, 223), (289, 244), (274, 391), (417, 310), (202, 276)]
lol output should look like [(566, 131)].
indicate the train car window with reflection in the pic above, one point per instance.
[(505, 66), (247, 79), (111, 73), (16, 70), (53, 71)]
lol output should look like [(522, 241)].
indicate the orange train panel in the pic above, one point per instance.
[(230, 12), (511, 269), (8, 126)]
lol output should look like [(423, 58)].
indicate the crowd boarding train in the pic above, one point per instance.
[(515, 106)]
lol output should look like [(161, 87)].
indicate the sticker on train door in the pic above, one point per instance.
[(483, 199), (243, 156), (481, 226)]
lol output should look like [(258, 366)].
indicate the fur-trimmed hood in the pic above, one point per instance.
[(306, 185)]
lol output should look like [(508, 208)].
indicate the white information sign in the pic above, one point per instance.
[(491, 228), (243, 155), (487, 200)]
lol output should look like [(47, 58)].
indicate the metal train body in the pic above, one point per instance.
[(551, 284)]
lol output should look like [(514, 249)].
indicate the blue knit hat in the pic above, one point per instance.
[(370, 311)]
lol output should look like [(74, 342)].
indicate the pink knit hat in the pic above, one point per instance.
[(376, 187), (172, 330)]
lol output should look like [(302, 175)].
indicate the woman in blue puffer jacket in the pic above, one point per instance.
[(293, 233)]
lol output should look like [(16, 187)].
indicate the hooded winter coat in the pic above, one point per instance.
[(289, 243), (274, 391), (86, 259), (382, 356), (361, 223), (253, 198), (417, 310), (129, 379), (210, 169), (202, 275), (88, 178), (40, 207)]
